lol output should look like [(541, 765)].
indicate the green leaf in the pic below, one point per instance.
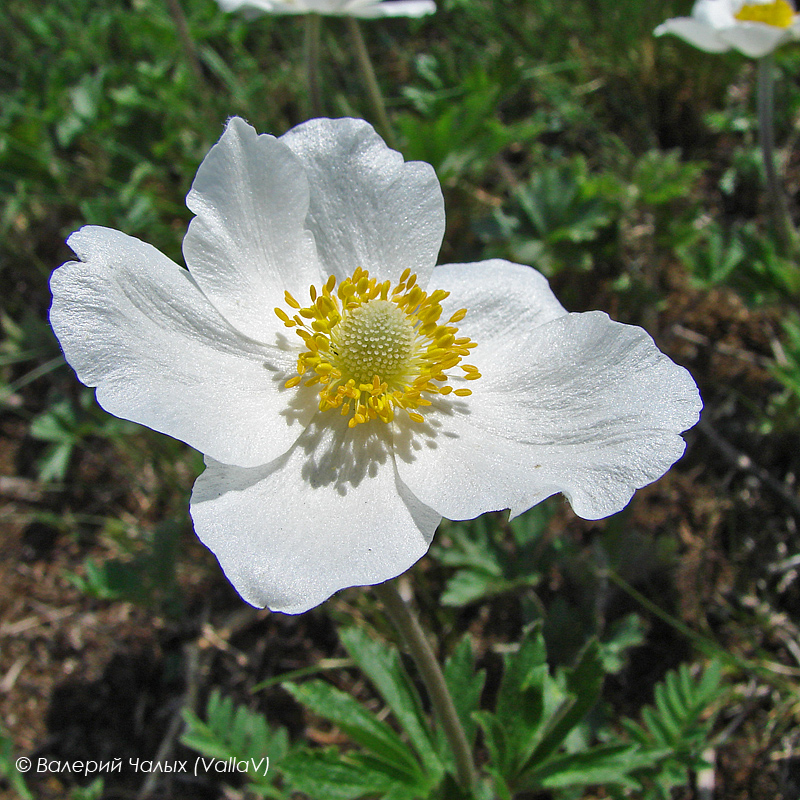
[(583, 682), (465, 686), (358, 723), (607, 764), (236, 732), (381, 664), (8, 767), (94, 791), (526, 700), (332, 775)]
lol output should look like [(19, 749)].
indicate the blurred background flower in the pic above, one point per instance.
[(754, 29)]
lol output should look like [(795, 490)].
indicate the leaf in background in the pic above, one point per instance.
[(361, 726), (333, 775), (465, 687), (232, 731), (381, 664)]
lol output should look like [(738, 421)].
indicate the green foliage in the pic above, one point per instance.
[(785, 408), (94, 791), (487, 561), (455, 129), (8, 768), (553, 220), (146, 576), (679, 724), (386, 764), (232, 731), (492, 556), (65, 425), (538, 735), (744, 258)]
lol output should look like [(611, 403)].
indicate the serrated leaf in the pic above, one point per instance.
[(465, 685), (382, 666), (606, 764), (526, 699), (332, 775), (358, 723), (583, 682), (235, 731)]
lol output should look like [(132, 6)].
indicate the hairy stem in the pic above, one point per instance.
[(185, 38), (414, 637), (371, 82), (766, 137)]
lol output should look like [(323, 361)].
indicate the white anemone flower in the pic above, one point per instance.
[(753, 28), (364, 9), (314, 353)]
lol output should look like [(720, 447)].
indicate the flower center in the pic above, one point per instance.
[(779, 13), (373, 349), (374, 339)]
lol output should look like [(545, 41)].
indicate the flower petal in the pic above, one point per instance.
[(369, 208), (581, 405), (366, 9), (754, 39), (134, 324), (390, 8), (716, 13), (696, 33), (330, 514), (525, 302), (248, 242), (264, 6)]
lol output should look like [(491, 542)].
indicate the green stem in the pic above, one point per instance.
[(766, 137), (703, 643), (311, 55), (185, 37), (371, 82), (431, 674)]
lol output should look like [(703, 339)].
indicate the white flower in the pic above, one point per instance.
[(365, 9), (754, 28), (332, 455)]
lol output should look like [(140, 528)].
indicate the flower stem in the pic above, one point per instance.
[(766, 136), (185, 37), (431, 674), (368, 74), (311, 56)]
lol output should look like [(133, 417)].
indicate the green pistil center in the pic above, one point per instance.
[(376, 338)]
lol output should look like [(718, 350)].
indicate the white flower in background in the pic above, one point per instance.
[(314, 354), (365, 9), (754, 28)]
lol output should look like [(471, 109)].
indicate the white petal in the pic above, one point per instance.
[(754, 39), (264, 6), (581, 405), (356, 8), (526, 301), (694, 32), (248, 243), (330, 514), (134, 324), (369, 208), (716, 13), (391, 8)]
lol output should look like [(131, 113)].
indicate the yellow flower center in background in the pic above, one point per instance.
[(779, 14), (373, 348)]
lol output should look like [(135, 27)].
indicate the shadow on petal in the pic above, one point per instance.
[(412, 437)]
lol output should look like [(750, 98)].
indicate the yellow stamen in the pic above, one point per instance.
[(375, 349), (778, 14)]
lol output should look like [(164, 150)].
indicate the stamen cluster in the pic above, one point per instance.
[(372, 348), (779, 14)]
